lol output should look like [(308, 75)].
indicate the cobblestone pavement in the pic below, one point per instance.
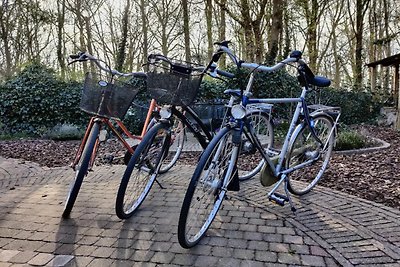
[(329, 229)]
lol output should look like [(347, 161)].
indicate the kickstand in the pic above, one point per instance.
[(159, 184), (292, 207)]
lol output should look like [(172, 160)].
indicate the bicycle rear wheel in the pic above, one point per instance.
[(207, 188), (250, 161), (142, 170), (307, 152), (81, 170)]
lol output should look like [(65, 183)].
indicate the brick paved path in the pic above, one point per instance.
[(330, 228)]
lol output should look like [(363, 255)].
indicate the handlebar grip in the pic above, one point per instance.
[(296, 54), (226, 74)]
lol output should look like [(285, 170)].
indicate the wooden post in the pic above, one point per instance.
[(397, 94), (372, 75)]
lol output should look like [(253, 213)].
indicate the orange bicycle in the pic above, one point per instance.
[(106, 95)]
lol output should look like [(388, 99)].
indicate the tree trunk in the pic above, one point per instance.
[(222, 31), (276, 30), (144, 29), (361, 6), (4, 27), (248, 30), (186, 30), (124, 37), (60, 31), (209, 28)]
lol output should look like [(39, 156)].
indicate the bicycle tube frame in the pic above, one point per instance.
[(152, 107), (83, 142), (294, 122), (195, 130)]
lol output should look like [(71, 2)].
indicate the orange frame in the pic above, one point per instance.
[(108, 122)]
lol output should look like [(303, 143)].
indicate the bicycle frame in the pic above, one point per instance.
[(109, 122), (301, 110)]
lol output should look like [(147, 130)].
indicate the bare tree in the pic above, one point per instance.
[(250, 18), (186, 29), (275, 32), (124, 37), (167, 30)]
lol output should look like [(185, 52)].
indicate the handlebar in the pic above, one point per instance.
[(213, 68), (294, 57), (83, 56)]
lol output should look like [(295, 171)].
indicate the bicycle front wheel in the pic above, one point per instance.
[(251, 161), (178, 135), (81, 170), (308, 157), (207, 188), (142, 170)]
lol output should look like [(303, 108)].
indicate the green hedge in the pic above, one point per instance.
[(357, 107), (36, 100)]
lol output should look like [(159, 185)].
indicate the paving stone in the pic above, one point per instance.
[(6, 255), (318, 251), (292, 239), (206, 261), (162, 257), (102, 252), (279, 247), (41, 259), (61, 260), (142, 255), (288, 258), (23, 257), (101, 263), (184, 259), (266, 256), (310, 260), (244, 254), (299, 249)]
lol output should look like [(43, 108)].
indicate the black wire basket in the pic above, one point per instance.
[(107, 96), (176, 83)]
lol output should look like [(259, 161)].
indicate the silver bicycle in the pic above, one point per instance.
[(297, 167)]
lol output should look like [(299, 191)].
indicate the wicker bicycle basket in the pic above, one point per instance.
[(107, 96), (173, 84)]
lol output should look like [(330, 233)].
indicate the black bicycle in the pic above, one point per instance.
[(174, 84)]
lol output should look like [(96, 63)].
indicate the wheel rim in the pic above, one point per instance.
[(177, 141), (306, 150), (250, 161), (208, 193), (144, 173)]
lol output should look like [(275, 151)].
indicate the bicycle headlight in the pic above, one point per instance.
[(165, 112), (238, 112)]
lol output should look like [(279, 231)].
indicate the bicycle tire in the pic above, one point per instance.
[(175, 148), (139, 175), (81, 170), (251, 158), (218, 159), (305, 147)]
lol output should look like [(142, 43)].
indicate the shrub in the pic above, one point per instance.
[(64, 132), (356, 106), (36, 100), (349, 139)]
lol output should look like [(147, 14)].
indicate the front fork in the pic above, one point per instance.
[(78, 154)]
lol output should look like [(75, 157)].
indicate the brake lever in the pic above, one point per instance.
[(81, 56)]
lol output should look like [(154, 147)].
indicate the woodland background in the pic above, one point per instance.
[(338, 37), (40, 91)]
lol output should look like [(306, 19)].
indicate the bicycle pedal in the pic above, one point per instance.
[(278, 199)]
